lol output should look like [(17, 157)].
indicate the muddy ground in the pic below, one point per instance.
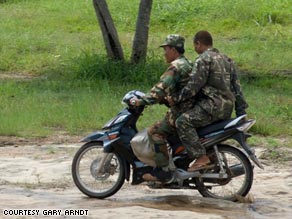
[(35, 181)]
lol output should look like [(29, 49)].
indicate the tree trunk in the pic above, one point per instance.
[(139, 50), (109, 32)]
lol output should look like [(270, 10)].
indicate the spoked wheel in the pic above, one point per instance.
[(95, 173), (238, 169)]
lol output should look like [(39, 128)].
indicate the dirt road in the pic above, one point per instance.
[(35, 182)]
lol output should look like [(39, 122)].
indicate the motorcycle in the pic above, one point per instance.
[(101, 166)]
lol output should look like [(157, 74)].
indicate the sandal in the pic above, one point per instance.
[(200, 166), (149, 177), (157, 175), (201, 163)]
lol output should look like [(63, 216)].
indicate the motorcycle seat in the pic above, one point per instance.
[(214, 127)]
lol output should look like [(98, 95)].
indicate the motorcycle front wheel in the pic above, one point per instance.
[(239, 171), (95, 173)]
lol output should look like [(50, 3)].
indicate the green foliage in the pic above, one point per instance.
[(93, 67), (80, 88), (270, 103), (254, 32), (41, 107)]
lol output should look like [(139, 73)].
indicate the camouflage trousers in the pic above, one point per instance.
[(158, 133), (183, 125), (187, 123)]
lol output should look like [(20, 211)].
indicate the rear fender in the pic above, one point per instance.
[(241, 137)]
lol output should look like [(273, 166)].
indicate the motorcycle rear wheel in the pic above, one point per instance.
[(93, 180), (235, 186)]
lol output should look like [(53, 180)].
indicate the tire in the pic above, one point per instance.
[(89, 181), (237, 185)]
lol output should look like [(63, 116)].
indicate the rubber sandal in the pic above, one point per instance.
[(200, 166), (149, 177), (157, 175)]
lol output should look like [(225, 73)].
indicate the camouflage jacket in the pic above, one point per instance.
[(171, 81), (240, 102), (214, 80)]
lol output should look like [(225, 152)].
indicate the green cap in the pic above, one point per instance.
[(174, 40)]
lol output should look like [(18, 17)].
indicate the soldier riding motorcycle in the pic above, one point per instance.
[(101, 166)]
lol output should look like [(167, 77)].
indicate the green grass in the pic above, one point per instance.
[(79, 89), (41, 107), (43, 36), (271, 104)]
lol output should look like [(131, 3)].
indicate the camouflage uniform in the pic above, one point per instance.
[(214, 87), (240, 102), (172, 80)]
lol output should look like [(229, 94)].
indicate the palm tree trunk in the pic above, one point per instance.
[(109, 32), (139, 49)]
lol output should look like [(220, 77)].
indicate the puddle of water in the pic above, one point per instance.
[(264, 208), (205, 206)]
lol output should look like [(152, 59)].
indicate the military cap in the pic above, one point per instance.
[(174, 40)]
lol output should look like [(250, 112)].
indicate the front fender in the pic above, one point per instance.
[(95, 136), (101, 136), (127, 168)]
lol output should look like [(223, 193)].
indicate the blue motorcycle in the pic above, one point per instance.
[(101, 166)]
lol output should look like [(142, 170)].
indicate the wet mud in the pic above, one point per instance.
[(39, 178)]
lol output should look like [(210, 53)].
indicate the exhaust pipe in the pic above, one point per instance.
[(237, 170)]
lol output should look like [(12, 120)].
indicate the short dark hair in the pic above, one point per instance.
[(204, 37), (180, 50)]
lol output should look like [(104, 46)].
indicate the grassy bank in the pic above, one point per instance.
[(43, 36), (40, 107), (79, 90)]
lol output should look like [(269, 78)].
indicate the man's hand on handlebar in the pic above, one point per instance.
[(135, 101)]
